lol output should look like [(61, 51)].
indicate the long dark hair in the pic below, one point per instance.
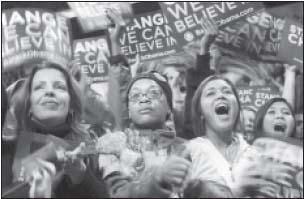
[(258, 122), (21, 98), (196, 111)]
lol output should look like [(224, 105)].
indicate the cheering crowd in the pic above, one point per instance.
[(173, 128)]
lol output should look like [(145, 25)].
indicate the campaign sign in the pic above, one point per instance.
[(148, 35), (31, 35), (92, 15), (275, 154), (257, 37), (291, 46), (185, 17), (256, 96), (92, 55)]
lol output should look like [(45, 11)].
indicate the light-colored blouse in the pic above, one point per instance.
[(208, 163)]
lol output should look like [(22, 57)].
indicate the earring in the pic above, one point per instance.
[(30, 114), (70, 116)]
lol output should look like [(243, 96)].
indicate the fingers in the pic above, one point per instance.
[(175, 170), (73, 155), (179, 162), (48, 167), (135, 65), (209, 26), (41, 183), (114, 15), (177, 181), (289, 67)]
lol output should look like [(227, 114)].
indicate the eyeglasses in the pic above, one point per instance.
[(151, 94)]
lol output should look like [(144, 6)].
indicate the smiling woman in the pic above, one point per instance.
[(47, 109), (46, 98)]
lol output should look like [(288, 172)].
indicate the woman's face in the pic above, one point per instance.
[(50, 99), (248, 120), (278, 121), (219, 106), (148, 107)]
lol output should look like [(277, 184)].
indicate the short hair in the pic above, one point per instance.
[(21, 98), (198, 125)]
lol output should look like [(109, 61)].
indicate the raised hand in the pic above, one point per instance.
[(118, 21), (135, 65), (290, 68), (41, 179), (210, 33)]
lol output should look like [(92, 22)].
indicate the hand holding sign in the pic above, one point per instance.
[(116, 18), (210, 33), (290, 68)]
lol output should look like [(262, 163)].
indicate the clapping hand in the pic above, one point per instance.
[(174, 171), (41, 179)]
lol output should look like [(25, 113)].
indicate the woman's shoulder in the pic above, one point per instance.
[(243, 144), (200, 144), (198, 140)]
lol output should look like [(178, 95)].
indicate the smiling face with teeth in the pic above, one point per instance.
[(219, 106), (278, 120)]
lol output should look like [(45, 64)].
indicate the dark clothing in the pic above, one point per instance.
[(7, 156), (90, 187), (194, 77)]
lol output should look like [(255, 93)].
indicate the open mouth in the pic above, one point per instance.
[(222, 109), (280, 127)]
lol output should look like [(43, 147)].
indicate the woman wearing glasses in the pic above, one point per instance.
[(150, 160)]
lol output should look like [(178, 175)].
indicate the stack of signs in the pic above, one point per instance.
[(185, 17), (148, 35), (256, 96), (32, 35), (257, 37), (291, 46), (92, 56), (92, 15), (272, 156)]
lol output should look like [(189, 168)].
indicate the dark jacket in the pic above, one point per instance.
[(194, 77)]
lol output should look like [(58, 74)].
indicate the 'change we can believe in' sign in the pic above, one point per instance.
[(31, 35), (185, 17), (148, 35), (92, 56)]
